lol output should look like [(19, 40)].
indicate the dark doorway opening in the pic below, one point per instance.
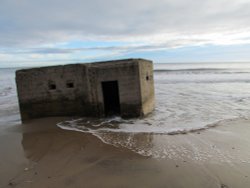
[(110, 90)]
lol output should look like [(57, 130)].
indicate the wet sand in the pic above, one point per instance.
[(39, 154)]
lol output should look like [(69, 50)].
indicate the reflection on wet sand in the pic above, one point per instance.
[(40, 138), (139, 143), (61, 158)]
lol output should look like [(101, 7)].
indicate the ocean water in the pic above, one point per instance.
[(9, 111), (189, 98)]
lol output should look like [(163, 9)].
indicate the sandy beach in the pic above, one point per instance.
[(125, 94), (39, 154)]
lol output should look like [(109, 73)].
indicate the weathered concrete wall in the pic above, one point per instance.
[(127, 75), (39, 98), (77, 89), (147, 86)]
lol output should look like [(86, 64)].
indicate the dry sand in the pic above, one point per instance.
[(39, 154)]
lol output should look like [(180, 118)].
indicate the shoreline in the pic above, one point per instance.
[(39, 154)]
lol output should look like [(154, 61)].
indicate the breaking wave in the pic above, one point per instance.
[(153, 142), (5, 91), (204, 98), (119, 125)]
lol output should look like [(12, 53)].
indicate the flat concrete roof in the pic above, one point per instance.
[(91, 64)]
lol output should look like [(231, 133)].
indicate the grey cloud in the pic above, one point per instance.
[(27, 23), (124, 49)]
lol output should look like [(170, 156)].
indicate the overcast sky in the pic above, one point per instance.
[(44, 32)]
